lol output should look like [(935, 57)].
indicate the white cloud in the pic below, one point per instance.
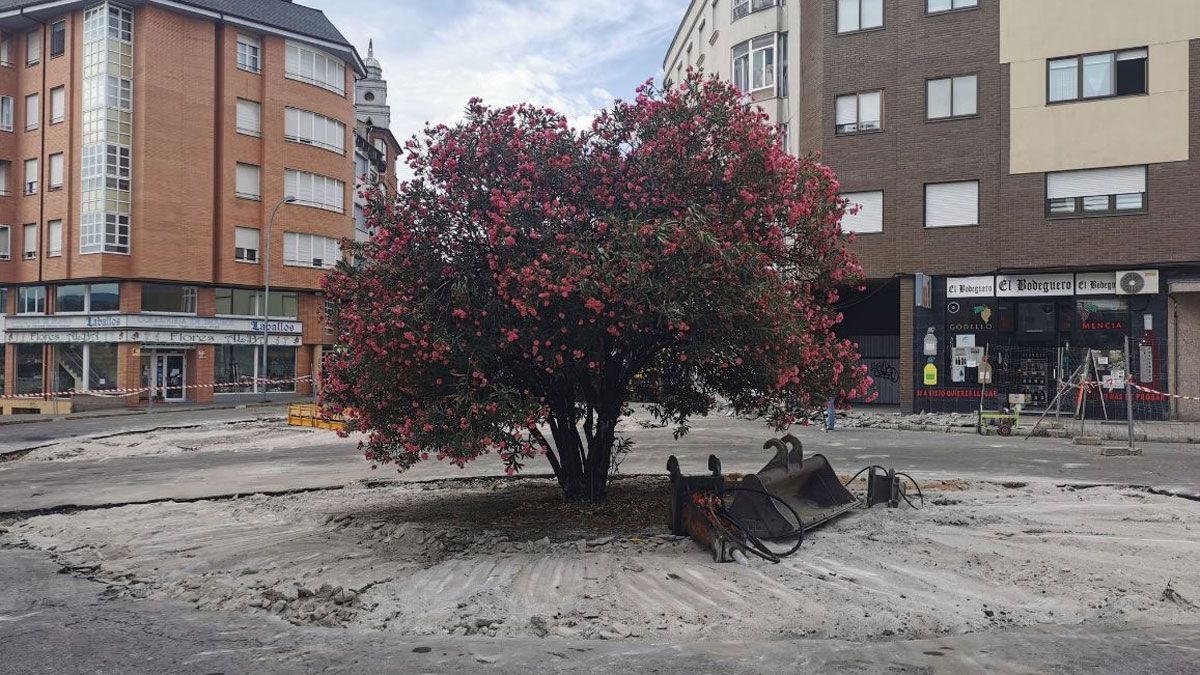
[(566, 55)]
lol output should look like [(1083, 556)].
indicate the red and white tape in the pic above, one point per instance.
[(1156, 392), (123, 393)]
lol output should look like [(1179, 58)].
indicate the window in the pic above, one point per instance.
[(853, 15), (869, 217), (743, 8), (6, 113), (54, 232), (5, 49), (937, 6), (249, 117), (79, 298), (56, 171), (168, 299), (245, 243), (58, 38), (4, 190), (30, 362), (306, 64), (857, 113), (310, 250), (1096, 192), (58, 105), (246, 302), (29, 234), (1123, 73), (85, 367), (33, 47), (951, 97), (236, 368), (952, 204), (5, 246), (249, 53), (248, 181), (33, 112), (315, 190), (31, 176), (754, 64), (302, 126), (31, 300)]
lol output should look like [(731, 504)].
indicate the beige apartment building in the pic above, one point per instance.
[(1026, 172), (145, 147)]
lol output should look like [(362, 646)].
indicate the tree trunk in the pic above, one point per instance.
[(583, 476)]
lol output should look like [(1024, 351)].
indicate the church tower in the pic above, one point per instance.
[(370, 94)]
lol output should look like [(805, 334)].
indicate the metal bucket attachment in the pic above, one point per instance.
[(810, 486)]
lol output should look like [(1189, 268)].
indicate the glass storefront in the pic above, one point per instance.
[(79, 367), (29, 369), (247, 302), (237, 369)]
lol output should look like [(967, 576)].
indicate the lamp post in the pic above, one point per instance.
[(266, 299)]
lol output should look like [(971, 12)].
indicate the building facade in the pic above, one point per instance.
[(376, 151), (1026, 173), (154, 155)]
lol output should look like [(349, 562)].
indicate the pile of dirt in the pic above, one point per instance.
[(506, 557)]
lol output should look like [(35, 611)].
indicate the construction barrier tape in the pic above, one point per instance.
[(1148, 390), (123, 393)]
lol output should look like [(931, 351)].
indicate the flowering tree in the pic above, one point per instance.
[(529, 272)]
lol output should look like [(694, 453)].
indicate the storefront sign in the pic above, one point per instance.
[(1035, 285), (150, 337), (1096, 283), (971, 287), (151, 322)]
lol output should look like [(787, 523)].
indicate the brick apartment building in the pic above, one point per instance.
[(1027, 174), (144, 147)]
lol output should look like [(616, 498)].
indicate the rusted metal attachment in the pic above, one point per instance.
[(810, 487), (689, 498), (888, 486)]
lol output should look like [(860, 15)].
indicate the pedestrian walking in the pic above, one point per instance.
[(830, 416)]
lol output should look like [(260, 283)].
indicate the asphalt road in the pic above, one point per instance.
[(58, 624), (27, 486)]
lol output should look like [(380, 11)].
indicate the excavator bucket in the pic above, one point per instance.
[(808, 485)]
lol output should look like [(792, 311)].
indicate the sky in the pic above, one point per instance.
[(573, 56)]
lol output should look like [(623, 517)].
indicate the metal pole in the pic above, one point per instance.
[(1129, 394), (266, 299)]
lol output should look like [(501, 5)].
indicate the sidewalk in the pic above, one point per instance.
[(160, 408)]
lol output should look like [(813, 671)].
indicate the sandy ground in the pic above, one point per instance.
[(494, 558), (258, 435)]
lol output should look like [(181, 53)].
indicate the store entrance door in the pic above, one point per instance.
[(166, 375)]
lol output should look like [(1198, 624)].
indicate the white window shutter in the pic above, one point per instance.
[(56, 238), (246, 237), (248, 180), (870, 111), (847, 110), (952, 204), (249, 116), (56, 170), (870, 212), (1096, 182), (964, 95), (847, 15)]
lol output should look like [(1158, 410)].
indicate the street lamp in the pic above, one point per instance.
[(266, 299)]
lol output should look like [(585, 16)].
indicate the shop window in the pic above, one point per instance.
[(104, 297), (1102, 323), (1036, 319), (168, 299), (29, 364), (69, 369), (235, 367), (281, 365)]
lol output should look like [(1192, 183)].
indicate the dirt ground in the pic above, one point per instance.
[(256, 436), (508, 558)]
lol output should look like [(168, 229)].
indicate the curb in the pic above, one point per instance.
[(36, 419)]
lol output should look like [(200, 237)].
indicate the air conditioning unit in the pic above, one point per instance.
[(1137, 282)]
